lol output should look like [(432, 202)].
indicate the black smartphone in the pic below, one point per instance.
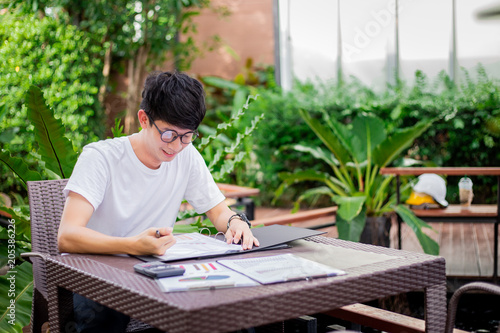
[(158, 269)]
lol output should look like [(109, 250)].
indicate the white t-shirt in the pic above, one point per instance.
[(129, 197)]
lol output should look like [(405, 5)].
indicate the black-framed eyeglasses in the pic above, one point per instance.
[(169, 136)]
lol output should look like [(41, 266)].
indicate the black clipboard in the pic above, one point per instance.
[(277, 234), (270, 238)]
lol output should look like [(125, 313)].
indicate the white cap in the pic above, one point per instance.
[(433, 185)]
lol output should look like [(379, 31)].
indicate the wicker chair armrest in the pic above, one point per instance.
[(29, 255), (477, 286)]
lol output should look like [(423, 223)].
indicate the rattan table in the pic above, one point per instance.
[(372, 272)]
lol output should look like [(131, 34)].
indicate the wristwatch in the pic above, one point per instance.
[(240, 216)]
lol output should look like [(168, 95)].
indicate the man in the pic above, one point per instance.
[(125, 193)]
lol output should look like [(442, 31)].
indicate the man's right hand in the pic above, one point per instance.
[(148, 242), (75, 237)]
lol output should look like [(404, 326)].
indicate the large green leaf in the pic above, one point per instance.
[(343, 133), (221, 83), (3, 110), (16, 288), (311, 175), (318, 152), (391, 147), (9, 250), (429, 245), (312, 194), (240, 97), (22, 224), (19, 167), (349, 207), (369, 132), (54, 148), (351, 229), (332, 142)]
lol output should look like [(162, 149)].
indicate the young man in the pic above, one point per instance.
[(125, 193)]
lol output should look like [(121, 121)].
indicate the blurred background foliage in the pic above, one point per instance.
[(65, 54), (466, 135), (65, 63), (69, 49)]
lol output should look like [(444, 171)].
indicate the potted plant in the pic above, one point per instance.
[(355, 153)]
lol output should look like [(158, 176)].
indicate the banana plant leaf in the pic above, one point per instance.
[(54, 148), (22, 224), (7, 250), (318, 152), (221, 83), (428, 244), (345, 135), (310, 194), (16, 301), (351, 229), (391, 147), (367, 133), (349, 207), (3, 110), (311, 175), (240, 90), (19, 167), (326, 135)]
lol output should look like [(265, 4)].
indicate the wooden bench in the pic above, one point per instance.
[(380, 319), (304, 216), (455, 213)]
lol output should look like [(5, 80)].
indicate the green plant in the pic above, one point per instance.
[(282, 126), (16, 301), (220, 165), (55, 151), (61, 60), (224, 99), (56, 157), (355, 153)]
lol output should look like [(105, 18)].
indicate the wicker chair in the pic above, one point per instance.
[(455, 298), (46, 201)]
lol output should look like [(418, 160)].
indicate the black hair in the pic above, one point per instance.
[(175, 98)]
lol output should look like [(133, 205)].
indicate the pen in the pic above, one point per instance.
[(210, 286), (158, 234)]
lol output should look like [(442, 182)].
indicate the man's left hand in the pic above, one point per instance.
[(239, 230)]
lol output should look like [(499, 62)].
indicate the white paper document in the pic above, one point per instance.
[(280, 268), (205, 275), (192, 245)]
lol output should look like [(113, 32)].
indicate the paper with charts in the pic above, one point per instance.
[(202, 276), (192, 245), (280, 268)]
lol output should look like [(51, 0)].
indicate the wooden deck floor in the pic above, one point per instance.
[(467, 247)]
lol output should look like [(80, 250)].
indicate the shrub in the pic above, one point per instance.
[(464, 133), (65, 64)]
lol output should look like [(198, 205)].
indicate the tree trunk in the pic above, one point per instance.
[(377, 231), (105, 74), (135, 73)]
